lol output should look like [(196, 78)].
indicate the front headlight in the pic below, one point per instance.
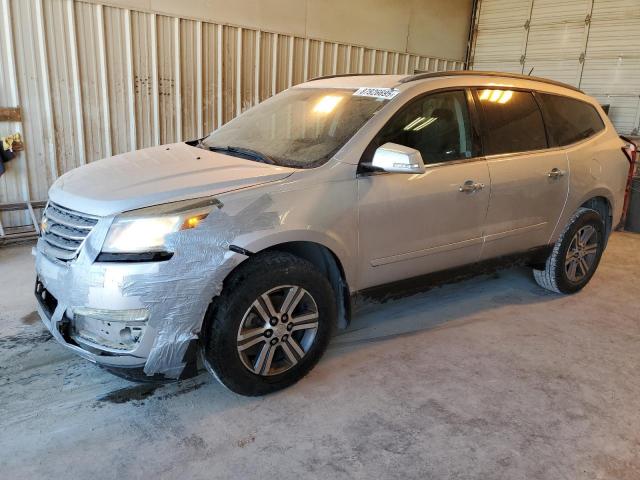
[(146, 229)]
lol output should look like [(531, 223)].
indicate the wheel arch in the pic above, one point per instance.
[(329, 264), (602, 205), (600, 199), (324, 258)]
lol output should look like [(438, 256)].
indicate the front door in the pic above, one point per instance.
[(412, 224)]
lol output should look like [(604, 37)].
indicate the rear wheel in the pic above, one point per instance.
[(576, 254), (270, 325)]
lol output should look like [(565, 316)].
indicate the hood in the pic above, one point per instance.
[(157, 175)]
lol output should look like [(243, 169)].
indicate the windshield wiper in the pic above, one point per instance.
[(247, 152)]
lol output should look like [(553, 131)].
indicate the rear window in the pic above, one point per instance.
[(569, 120), (512, 122)]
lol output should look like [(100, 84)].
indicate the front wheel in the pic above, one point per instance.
[(575, 255), (270, 325)]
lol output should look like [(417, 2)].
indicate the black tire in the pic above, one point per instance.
[(555, 276), (257, 275)]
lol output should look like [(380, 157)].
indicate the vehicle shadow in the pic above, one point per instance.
[(439, 306), (448, 306)]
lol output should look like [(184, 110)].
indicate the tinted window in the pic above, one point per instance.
[(512, 122), (437, 125), (569, 120)]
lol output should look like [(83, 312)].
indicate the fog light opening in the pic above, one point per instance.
[(117, 329), (125, 335)]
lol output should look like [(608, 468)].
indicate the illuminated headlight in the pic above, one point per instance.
[(146, 229)]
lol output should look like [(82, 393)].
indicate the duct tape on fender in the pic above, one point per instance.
[(179, 294)]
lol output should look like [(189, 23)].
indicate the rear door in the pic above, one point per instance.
[(529, 181)]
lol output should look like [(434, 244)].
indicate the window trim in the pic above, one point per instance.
[(476, 136), (547, 132)]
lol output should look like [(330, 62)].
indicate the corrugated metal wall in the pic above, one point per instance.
[(95, 81), (592, 44)]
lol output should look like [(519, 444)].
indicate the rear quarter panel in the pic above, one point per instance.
[(597, 168)]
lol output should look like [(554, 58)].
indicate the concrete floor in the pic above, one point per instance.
[(490, 378)]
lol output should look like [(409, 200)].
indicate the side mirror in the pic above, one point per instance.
[(394, 158)]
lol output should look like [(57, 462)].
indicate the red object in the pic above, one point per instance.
[(631, 152)]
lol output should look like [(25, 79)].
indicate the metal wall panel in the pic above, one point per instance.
[(191, 78), (496, 14), (211, 86), (59, 32), (120, 82), (14, 184), (592, 44), (144, 48), (95, 81), (167, 79), (501, 27), (557, 37), (34, 97), (612, 61)]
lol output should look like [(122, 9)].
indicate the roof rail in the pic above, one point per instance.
[(463, 73), (344, 75)]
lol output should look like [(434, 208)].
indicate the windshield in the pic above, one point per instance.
[(300, 128)]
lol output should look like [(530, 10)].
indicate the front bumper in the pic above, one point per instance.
[(100, 284), (62, 331)]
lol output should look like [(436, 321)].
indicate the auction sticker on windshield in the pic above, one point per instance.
[(386, 93)]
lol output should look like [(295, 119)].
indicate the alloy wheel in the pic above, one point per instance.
[(581, 254), (277, 330)]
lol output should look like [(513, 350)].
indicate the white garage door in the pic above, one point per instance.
[(592, 44)]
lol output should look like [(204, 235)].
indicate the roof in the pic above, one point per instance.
[(390, 81), (480, 73), (354, 81)]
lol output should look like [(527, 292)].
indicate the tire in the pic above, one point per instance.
[(279, 354), (564, 274)]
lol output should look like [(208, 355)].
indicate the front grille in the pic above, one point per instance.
[(64, 231)]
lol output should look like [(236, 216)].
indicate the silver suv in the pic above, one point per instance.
[(242, 251)]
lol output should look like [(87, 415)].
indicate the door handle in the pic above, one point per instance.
[(470, 186), (555, 173)]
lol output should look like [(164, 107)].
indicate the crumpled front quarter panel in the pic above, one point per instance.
[(178, 295), (318, 206)]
